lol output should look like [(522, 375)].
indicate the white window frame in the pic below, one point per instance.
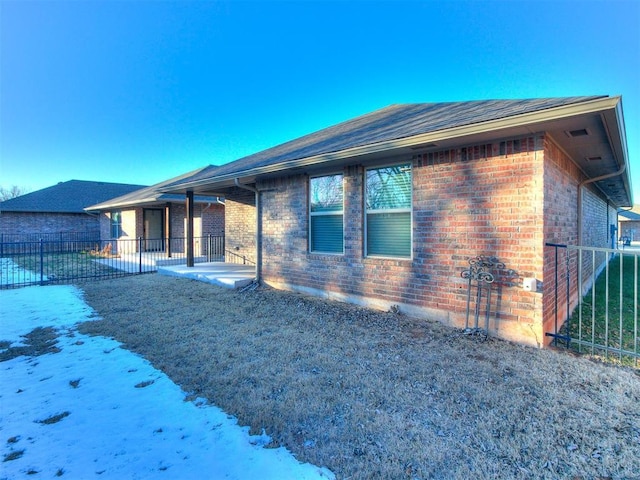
[(368, 211), (113, 224), (327, 213)]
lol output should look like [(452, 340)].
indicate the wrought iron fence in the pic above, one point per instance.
[(595, 301), (45, 262), (68, 241)]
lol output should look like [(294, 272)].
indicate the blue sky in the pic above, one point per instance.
[(141, 91)]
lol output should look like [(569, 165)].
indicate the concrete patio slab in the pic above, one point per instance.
[(227, 275)]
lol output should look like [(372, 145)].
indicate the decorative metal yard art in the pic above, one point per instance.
[(481, 275)]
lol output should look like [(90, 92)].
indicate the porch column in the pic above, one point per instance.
[(190, 205), (167, 229)]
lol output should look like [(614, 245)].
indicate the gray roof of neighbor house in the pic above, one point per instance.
[(154, 195), (581, 125), (66, 197)]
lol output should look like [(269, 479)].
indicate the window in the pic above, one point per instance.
[(388, 211), (326, 230), (116, 224)]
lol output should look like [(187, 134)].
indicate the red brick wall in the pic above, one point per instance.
[(178, 213), (30, 223), (480, 200), (140, 222), (105, 225), (597, 218), (213, 219), (503, 199), (240, 223), (562, 178)]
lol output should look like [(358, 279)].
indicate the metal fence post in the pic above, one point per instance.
[(41, 262), (140, 254), (568, 312)]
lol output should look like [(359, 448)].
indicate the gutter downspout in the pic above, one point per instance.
[(586, 182), (217, 202), (258, 225)]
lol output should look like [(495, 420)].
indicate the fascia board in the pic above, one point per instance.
[(613, 121), (144, 202), (123, 204), (624, 154), (521, 120)]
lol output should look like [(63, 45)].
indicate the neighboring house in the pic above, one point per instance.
[(58, 212), (629, 225), (156, 217), (387, 209)]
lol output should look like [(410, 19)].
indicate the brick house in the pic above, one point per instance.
[(58, 212), (629, 225), (386, 209), (155, 216)]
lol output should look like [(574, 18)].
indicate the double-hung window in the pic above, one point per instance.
[(116, 224), (388, 194), (326, 214)]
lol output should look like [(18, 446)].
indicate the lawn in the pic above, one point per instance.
[(375, 395), (62, 267), (613, 322), (80, 407)]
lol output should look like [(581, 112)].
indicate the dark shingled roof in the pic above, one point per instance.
[(154, 194), (390, 123), (67, 197)]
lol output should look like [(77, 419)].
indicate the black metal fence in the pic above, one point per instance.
[(596, 296), (70, 241), (45, 262)]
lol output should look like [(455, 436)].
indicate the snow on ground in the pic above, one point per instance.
[(96, 410), (11, 273)]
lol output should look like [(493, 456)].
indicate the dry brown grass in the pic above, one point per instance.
[(378, 395), (40, 341)]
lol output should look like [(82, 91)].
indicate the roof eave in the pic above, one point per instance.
[(624, 152), (522, 120), (122, 204), (144, 202)]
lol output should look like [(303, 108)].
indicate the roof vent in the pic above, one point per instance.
[(593, 159), (581, 132)]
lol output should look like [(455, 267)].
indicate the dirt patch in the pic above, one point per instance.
[(14, 455), (53, 418), (39, 341), (378, 395)]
